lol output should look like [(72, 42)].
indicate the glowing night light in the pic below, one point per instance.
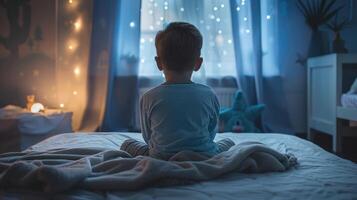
[(77, 71), (37, 107), (268, 16), (132, 24)]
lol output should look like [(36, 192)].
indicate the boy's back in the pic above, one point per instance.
[(176, 117)]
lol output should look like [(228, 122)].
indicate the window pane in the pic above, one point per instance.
[(211, 17)]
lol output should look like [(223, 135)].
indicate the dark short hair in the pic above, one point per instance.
[(178, 45)]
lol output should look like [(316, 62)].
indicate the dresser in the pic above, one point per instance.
[(328, 77)]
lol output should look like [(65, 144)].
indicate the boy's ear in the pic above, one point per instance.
[(198, 64), (158, 63)]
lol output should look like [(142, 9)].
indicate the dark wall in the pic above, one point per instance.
[(27, 51)]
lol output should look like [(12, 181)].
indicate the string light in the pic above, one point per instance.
[(132, 24), (70, 1), (222, 5), (61, 105), (268, 17), (182, 9), (238, 8), (77, 71), (215, 8), (245, 18), (218, 19), (75, 92), (77, 25)]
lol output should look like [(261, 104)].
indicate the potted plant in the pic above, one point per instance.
[(336, 26), (317, 13)]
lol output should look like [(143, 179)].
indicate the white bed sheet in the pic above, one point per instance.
[(320, 175)]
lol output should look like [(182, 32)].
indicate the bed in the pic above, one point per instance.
[(319, 175)]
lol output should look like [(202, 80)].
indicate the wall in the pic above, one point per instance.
[(45, 53), (294, 41)]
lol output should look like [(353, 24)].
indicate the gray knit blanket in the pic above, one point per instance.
[(99, 169)]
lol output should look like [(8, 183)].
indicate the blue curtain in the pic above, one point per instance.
[(113, 66), (255, 31)]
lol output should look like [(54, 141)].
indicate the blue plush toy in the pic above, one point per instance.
[(241, 117)]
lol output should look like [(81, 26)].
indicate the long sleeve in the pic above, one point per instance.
[(144, 121), (214, 118)]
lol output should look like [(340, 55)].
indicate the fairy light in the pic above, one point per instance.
[(77, 25), (61, 105), (132, 24), (77, 71), (70, 1), (75, 92)]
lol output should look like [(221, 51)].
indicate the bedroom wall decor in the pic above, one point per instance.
[(44, 52)]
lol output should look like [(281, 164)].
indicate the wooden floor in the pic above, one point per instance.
[(349, 145)]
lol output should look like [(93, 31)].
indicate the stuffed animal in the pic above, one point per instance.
[(241, 117)]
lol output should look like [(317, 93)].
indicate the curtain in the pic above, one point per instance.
[(113, 66), (255, 33)]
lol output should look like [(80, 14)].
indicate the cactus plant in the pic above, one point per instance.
[(19, 29)]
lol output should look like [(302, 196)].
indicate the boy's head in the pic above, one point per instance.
[(178, 48)]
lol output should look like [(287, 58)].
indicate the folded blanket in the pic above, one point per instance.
[(98, 169)]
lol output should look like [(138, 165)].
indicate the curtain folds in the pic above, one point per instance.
[(254, 35), (113, 66)]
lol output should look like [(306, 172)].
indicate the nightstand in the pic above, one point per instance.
[(20, 128)]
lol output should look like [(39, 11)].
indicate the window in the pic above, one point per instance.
[(211, 17)]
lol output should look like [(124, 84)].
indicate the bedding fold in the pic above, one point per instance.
[(99, 169)]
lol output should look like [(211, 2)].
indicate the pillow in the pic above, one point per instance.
[(241, 117), (353, 89)]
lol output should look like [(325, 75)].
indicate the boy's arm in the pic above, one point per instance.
[(144, 122), (214, 117)]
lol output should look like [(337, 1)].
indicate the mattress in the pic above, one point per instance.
[(320, 175), (349, 100)]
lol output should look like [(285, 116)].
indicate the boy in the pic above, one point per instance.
[(178, 115)]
